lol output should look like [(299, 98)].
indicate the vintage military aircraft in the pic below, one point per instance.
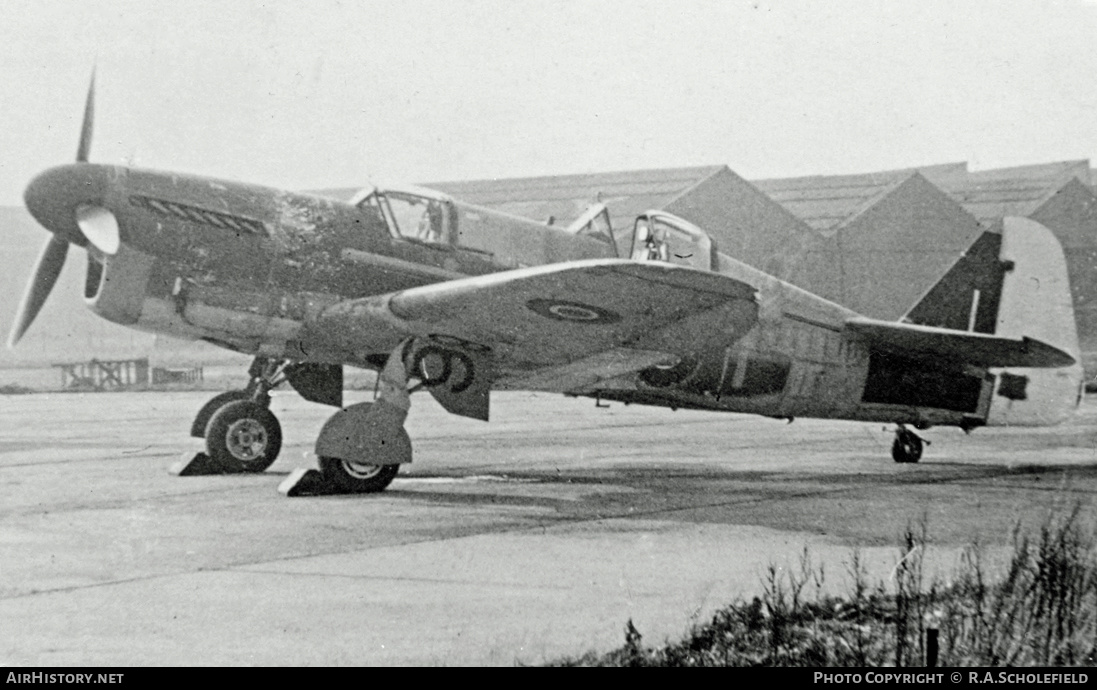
[(459, 300)]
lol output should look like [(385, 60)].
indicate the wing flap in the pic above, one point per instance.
[(976, 349)]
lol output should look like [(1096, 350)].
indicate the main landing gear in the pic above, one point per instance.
[(907, 446), (242, 434), (361, 447)]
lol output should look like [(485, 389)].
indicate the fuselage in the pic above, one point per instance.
[(247, 266), (256, 269)]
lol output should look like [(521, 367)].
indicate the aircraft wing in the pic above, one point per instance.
[(562, 323), (977, 349)]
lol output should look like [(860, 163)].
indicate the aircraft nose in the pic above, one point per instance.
[(55, 195)]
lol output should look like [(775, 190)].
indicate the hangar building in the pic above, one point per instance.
[(893, 234), (1059, 195), (744, 222)]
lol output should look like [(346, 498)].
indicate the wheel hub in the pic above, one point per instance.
[(246, 439), (361, 471)]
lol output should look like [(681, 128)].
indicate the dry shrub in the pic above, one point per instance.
[(1042, 612)]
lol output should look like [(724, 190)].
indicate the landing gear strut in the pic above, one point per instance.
[(907, 446), (266, 375), (361, 447), (242, 434)]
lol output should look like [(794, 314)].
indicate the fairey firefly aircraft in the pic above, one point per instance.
[(458, 300)]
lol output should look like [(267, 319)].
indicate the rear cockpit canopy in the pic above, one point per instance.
[(662, 236)]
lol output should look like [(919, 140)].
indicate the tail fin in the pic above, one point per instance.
[(1013, 284), (1035, 302)]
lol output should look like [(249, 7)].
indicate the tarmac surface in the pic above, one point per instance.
[(535, 536)]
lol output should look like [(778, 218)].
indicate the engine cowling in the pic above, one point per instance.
[(115, 286)]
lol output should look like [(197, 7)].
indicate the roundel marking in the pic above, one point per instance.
[(576, 312)]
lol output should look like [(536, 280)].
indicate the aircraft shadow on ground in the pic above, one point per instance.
[(650, 493)]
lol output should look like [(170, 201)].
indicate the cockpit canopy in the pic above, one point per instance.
[(662, 236), (411, 212), (430, 217)]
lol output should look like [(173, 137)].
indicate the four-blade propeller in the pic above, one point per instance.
[(52, 259)]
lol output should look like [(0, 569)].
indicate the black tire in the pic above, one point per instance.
[(358, 479), (907, 447), (463, 363), (244, 436), (201, 420)]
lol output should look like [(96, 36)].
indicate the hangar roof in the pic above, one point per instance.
[(565, 197), (932, 172), (1016, 191), (823, 202), (992, 200), (826, 201), (627, 193), (662, 181)]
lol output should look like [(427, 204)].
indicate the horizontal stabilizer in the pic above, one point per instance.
[(976, 349)]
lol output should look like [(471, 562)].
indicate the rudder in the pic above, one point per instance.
[(1036, 303)]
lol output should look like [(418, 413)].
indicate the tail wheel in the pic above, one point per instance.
[(907, 447), (244, 436), (358, 478)]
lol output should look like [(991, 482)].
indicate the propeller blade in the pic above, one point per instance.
[(46, 271), (89, 122)]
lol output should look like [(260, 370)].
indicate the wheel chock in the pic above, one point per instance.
[(197, 465), (306, 482)]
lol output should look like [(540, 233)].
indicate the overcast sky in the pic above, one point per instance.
[(342, 93)]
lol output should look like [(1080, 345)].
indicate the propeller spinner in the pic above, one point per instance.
[(52, 259)]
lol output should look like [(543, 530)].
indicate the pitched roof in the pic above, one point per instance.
[(567, 196), (992, 200), (1017, 191), (825, 201), (932, 172), (663, 181)]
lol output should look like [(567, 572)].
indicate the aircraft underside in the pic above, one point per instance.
[(361, 447)]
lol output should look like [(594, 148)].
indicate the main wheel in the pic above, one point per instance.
[(357, 478), (244, 436), (201, 420), (907, 447)]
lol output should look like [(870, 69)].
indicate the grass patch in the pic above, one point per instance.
[(1041, 612)]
